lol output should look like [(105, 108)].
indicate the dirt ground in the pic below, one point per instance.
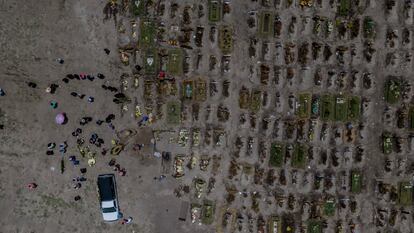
[(34, 34)]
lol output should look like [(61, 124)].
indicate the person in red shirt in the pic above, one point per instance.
[(32, 186)]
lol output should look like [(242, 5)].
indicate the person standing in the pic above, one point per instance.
[(32, 186), (126, 220)]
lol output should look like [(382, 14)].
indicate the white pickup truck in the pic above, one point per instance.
[(108, 197)]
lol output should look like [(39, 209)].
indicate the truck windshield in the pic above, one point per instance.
[(109, 210)]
